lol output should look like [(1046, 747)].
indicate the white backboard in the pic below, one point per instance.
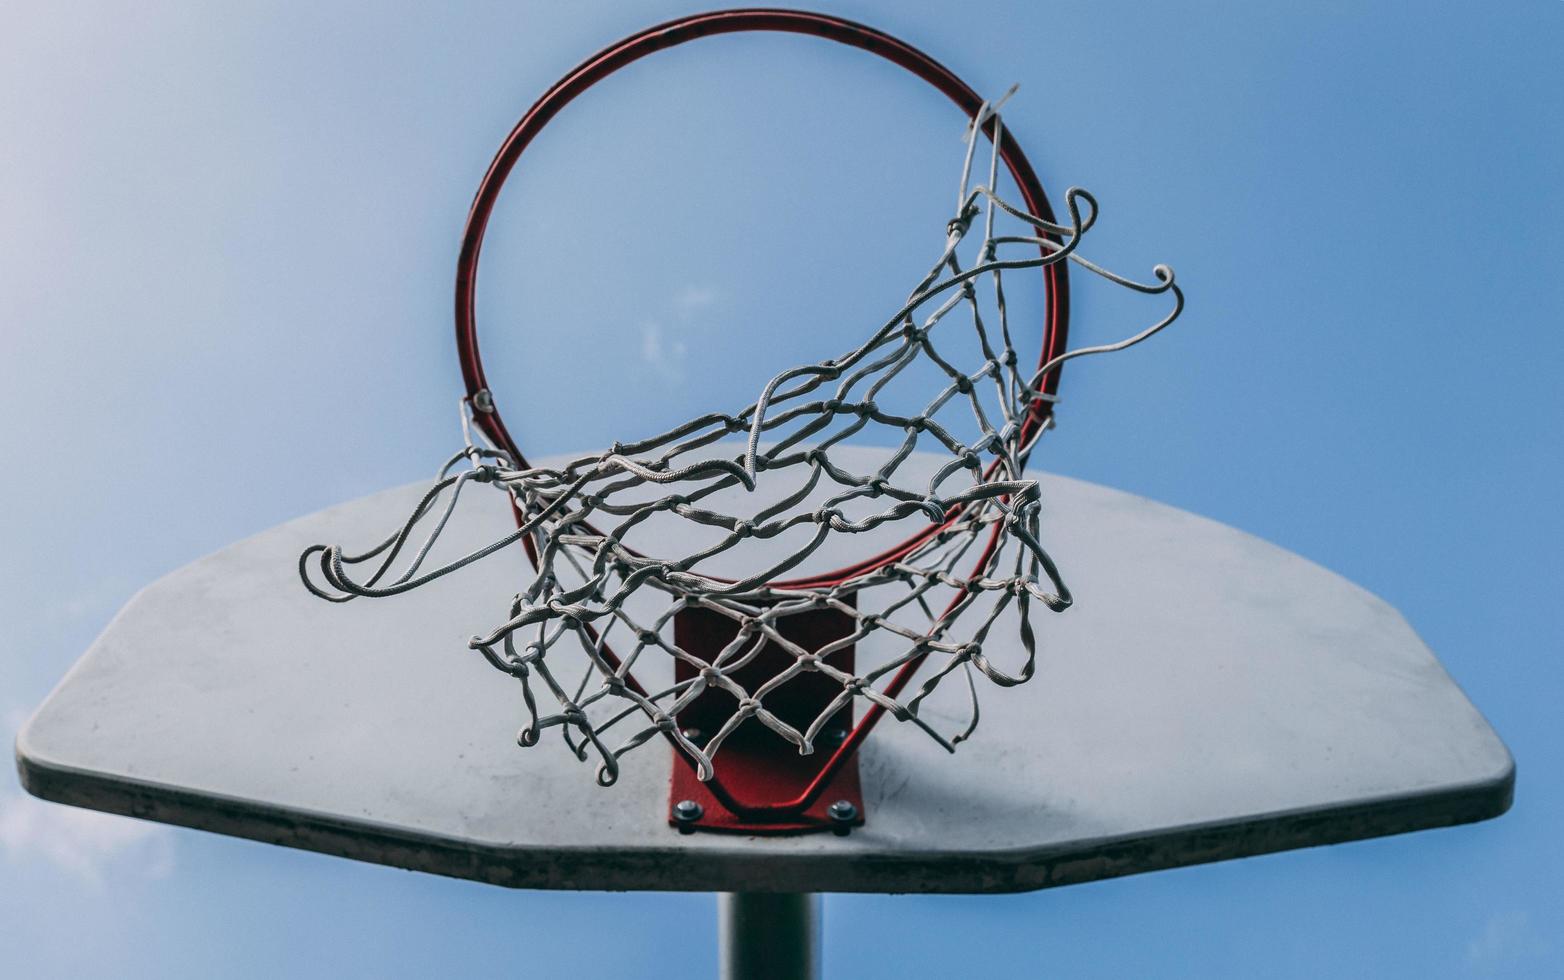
[(1209, 696)]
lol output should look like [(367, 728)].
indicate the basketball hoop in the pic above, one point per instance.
[(765, 663)]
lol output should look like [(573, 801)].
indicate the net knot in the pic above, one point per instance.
[(959, 225)]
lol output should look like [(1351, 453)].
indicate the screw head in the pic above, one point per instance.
[(834, 737), (694, 735), (483, 401), (685, 813), (842, 812)]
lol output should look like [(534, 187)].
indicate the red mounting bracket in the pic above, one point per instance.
[(758, 767)]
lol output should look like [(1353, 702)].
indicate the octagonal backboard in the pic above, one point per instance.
[(1209, 696)]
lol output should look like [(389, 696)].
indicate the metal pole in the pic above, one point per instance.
[(768, 937)]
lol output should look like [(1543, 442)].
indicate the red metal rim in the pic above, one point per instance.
[(486, 412)]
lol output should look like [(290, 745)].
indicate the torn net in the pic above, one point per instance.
[(970, 552)]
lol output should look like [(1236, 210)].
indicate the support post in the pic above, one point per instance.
[(768, 937)]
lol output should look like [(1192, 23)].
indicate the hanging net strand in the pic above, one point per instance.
[(974, 560)]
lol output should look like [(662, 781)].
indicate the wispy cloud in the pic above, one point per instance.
[(81, 842), (662, 350), (1506, 937), (692, 299), (664, 355)]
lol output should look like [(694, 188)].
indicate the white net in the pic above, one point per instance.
[(969, 530)]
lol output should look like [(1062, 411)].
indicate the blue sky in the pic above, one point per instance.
[(227, 238)]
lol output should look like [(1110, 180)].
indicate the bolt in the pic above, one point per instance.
[(695, 735), (685, 813), (834, 736), (483, 401), (842, 814)]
